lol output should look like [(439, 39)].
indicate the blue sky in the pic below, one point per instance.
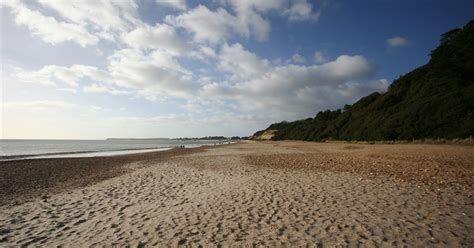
[(175, 68)]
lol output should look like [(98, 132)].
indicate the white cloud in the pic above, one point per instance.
[(176, 4), (217, 26), (298, 59), (251, 20), (49, 75), (344, 68), (160, 36), (203, 53), (294, 10), (151, 74), (48, 28), (91, 72), (95, 88), (254, 86), (148, 75), (206, 25), (293, 91), (260, 6), (216, 81), (54, 75), (240, 62), (85, 23), (69, 90), (80, 23), (319, 57), (106, 18), (301, 11), (397, 41)]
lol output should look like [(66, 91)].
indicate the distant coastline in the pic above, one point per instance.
[(181, 138)]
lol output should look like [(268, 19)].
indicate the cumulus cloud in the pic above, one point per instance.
[(115, 16), (79, 22), (203, 53), (176, 4), (54, 75), (294, 10), (48, 75), (397, 41), (209, 26), (240, 62), (250, 17), (255, 85), (95, 88), (148, 75), (297, 58), (152, 61), (319, 57), (260, 6), (293, 91), (301, 11), (216, 26), (160, 36), (48, 28)]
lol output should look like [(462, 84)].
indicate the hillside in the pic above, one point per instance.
[(433, 101)]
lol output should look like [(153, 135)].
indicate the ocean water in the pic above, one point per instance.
[(22, 149)]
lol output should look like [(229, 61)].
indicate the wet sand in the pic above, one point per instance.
[(21, 180), (257, 193)]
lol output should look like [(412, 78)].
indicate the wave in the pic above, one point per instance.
[(59, 154)]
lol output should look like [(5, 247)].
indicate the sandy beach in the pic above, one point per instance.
[(245, 194)]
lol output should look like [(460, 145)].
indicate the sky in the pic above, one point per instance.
[(184, 68)]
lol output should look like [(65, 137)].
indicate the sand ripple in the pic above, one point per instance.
[(219, 198)]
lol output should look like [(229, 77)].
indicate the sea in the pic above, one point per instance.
[(12, 149)]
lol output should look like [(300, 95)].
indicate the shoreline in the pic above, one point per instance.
[(73, 154), (25, 179), (100, 153)]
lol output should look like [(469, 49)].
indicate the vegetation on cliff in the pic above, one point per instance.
[(433, 101)]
